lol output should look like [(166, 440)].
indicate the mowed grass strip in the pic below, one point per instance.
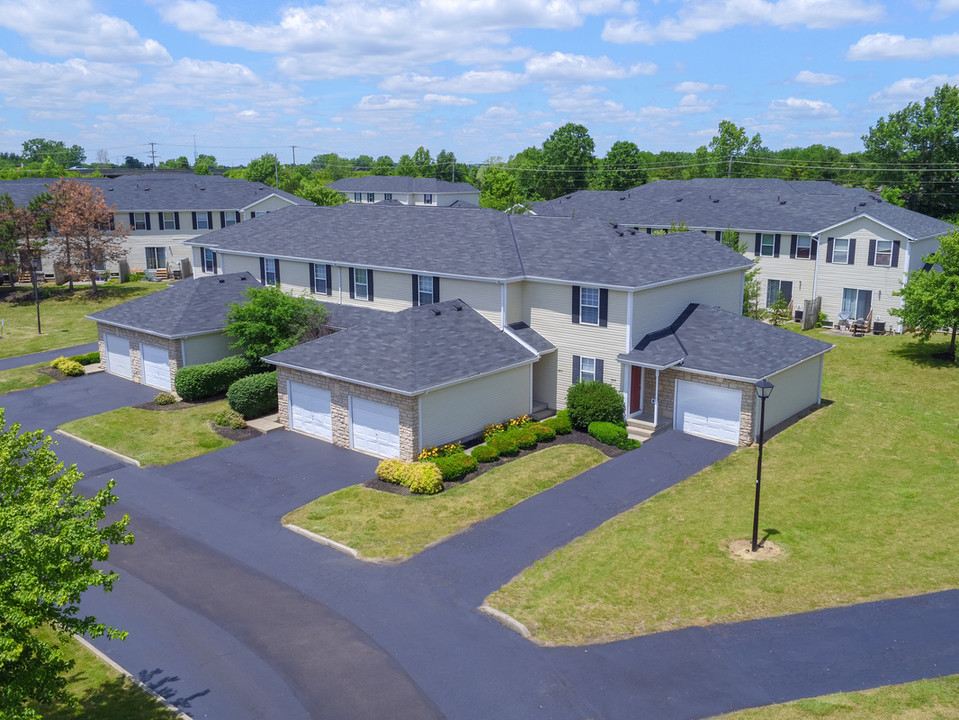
[(861, 496), (936, 699), (24, 378), (62, 316), (152, 437), (102, 692), (387, 526)]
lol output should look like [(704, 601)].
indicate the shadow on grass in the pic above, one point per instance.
[(932, 353), (113, 699), (112, 293)]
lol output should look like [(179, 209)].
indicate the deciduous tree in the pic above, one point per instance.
[(37, 149), (498, 189), (52, 543), (270, 321), (624, 167), (568, 160), (752, 287)]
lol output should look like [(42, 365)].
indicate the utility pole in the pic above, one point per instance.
[(153, 156), (194, 150), (293, 148), (276, 169)]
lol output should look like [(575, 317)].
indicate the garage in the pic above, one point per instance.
[(156, 366), (310, 410), (118, 356), (375, 427), (708, 411)]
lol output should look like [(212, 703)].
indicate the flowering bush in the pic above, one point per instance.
[(497, 428), (431, 453)]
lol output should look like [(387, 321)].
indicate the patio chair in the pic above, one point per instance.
[(843, 318)]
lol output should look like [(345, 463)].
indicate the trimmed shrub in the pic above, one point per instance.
[(196, 382), (485, 453), (423, 478), (505, 445), (391, 470), (91, 358), (497, 428), (543, 433), (613, 434), (70, 368), (230, 419), (560, 423), (254, 395), (455, 467), (522, 436), (593, 401), (165, 398)]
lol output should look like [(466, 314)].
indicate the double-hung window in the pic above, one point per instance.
[(778, 289), (387, 196), (209, 260), (202, 221), (428, 199), (357, 197), (229, 218), (804, 247), (587, 369), (767, 246), (139, 221), (425, 289), (168, 221), (269, 271), (370, 197), (361, 284), (589, 306), (883, 253), (156, 258), (319, 279), (840, 251)]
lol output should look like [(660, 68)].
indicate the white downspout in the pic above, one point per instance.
[(905, 276), (656, 402), (502, 306), (339, 284), (815, 270)]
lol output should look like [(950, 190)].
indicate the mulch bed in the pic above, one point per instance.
[(576, 437), (237, 434), (54, 373)]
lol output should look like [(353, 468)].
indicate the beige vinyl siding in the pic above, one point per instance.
[(294, 277), (656, 308), (882, 281), (550, 309), (544, 380), (268, 204), (462, 411), (801, 272), (391, 291), (239, 263), (917, 251), (795, 389), (515, 310), (483, 297), (206, 348)]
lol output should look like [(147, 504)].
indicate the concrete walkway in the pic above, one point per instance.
[(230, 616)]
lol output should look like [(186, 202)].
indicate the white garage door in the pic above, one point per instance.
[(156, 366), (708, 411), (310, 410), (118, 356), (375, 427)]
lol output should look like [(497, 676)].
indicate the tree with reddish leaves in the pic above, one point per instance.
[(22, 234), (85, 235)]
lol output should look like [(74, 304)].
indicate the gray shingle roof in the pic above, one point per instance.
[(476, 242), (760, 204), (716, 341), (532, 338), (412, 351), (187, 307), (150, 193), (400, 184)]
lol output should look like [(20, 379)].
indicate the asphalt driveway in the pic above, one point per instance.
[(230, 616)]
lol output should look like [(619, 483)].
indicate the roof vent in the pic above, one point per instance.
[(615, 225), (715, 200), (458, 308), (620, 233), (679, 199), (862, 204), (435, 311), (220, 280), (632, 231)]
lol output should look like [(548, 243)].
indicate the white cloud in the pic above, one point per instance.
[(447, 100), (946, 7), (188, 71), (63, 29), (883, 46), (381, 103), (807, 77), (64, 86), (690, 86), (696, 18), (560, 66), (473, 82), (902, 92), (801, 107)]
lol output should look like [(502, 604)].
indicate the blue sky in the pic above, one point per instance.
[(479, 77)]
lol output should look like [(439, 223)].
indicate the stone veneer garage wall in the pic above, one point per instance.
[(340, 392), (173, 348)]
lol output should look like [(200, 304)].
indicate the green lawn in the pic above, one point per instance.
[(152, 437), (921, 700), (861, 496), (103, 693), (61, 316), (384, 525), (23, 378)]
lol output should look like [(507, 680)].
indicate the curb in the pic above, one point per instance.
[(106, 659), (99, 448), (507, 620), (319, 539)]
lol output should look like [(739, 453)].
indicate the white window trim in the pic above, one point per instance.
[(139, 221), (887, 254), (357, 284), (428, 198), (208, 263), (319, 279), (163, 221), (583, 305), (370, 197), (357, 197), (804, 242), (584, 374), (202, 221), (779, 285), (157, 252), (425, 289), (845, 251), (772, 245), (269, 268)]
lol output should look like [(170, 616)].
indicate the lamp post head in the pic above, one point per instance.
[(764, 389), (35, 263)]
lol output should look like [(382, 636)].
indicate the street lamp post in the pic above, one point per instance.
[(764, 389), (34, 267)]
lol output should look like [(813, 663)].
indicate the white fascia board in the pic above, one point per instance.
[(267, 197), (866, 216), (148, 331), (652, 366), (517, 338)]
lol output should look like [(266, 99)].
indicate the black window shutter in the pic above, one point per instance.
[(133, 222), (575, 310), (416, 290), (852, 251), (194, 221), (276, 270), (236, 214), (813, 248), (759, 244), (352, 289), (436, 289), (312, 278), (871, 260), (575, 368), (829, 243), (603, 306), (214, 263), (252, 214), (719, 236), (895, 253), (329, 280), (176, 220), (222, 219), (776, 246), (792, 246), (369, 285), (147, 216), (599, 369), (262, 271), (209, 220)]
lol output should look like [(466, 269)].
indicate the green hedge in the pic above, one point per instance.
[(91, 358), (504, 444), (593, 401), (560, 423), (254, 395), (485, 453), (612, 434), (391, 470), (543, 433), (455, 467), (423, 478), (196, 382)]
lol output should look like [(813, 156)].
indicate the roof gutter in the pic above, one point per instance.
[(138, 329)]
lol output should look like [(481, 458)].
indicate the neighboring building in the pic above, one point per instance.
[(812, 239), (428, 192), (163, 211), (491, 315)]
